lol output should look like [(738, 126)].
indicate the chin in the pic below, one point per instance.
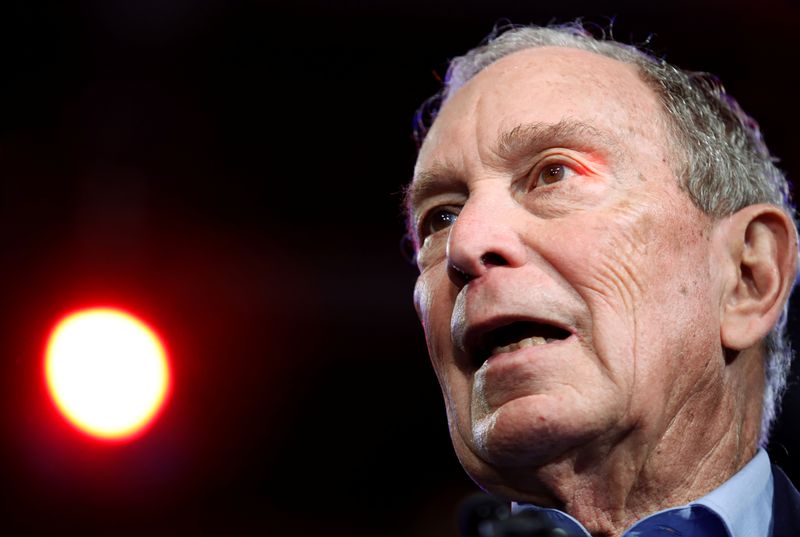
[(512, 483), (533, 431)]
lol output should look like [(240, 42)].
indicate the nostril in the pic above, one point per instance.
[(462, 277), (458, 276), (492, 259)]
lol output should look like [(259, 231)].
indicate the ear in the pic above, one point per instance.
[(762, 245)]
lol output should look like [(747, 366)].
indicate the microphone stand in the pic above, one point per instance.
[(483, 515)]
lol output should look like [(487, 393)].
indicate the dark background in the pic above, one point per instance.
[(230, 171)]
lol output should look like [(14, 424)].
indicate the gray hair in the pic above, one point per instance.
[(724, 165)]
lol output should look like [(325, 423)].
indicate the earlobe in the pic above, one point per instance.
[(762, 243)]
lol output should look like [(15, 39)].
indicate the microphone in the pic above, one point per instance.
[(483, 515)]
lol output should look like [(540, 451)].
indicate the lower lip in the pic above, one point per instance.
[(526, 371), (533, 348)]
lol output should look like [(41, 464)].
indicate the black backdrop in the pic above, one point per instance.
[(230, 171)]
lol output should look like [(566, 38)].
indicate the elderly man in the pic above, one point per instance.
[(606, 251)]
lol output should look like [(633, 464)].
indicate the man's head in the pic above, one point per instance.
[(605, 249)]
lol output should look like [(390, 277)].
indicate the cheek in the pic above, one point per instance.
[(433, 300), (422, 300), (602, 262), (434, 297), (645, 280), (629, 258)]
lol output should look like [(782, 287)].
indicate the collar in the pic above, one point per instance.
[(740, 507), (744, 502)]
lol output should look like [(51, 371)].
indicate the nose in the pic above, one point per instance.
[(486, 234)]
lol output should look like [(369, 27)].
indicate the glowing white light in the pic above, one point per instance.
[(107, 372)]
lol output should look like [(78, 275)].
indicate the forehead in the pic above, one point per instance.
[(545, 86)]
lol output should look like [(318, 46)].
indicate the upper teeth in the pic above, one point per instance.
[(527, 342)]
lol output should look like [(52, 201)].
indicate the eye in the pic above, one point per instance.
[(552, 173), (436, 220)]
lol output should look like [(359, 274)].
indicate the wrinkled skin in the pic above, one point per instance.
[(583, 226)]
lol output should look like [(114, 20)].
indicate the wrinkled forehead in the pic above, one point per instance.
[(547, 85)]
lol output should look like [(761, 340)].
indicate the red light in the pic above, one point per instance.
[(107, 372)]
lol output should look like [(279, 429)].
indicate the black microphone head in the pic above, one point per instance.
[(528, 524), (484, 515), (478, 511)]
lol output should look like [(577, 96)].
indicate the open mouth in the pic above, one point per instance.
[(515, 336)]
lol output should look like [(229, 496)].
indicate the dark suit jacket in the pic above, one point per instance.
[(785, 506)]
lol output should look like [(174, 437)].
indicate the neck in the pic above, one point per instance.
[(610, 485)]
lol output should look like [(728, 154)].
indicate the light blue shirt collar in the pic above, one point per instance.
[(742, 506), (744, 502)]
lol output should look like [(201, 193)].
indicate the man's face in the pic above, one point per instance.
[(565, 278)]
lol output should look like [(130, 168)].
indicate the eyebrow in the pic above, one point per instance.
[(511, 146), (531, 138), (427, 183)]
